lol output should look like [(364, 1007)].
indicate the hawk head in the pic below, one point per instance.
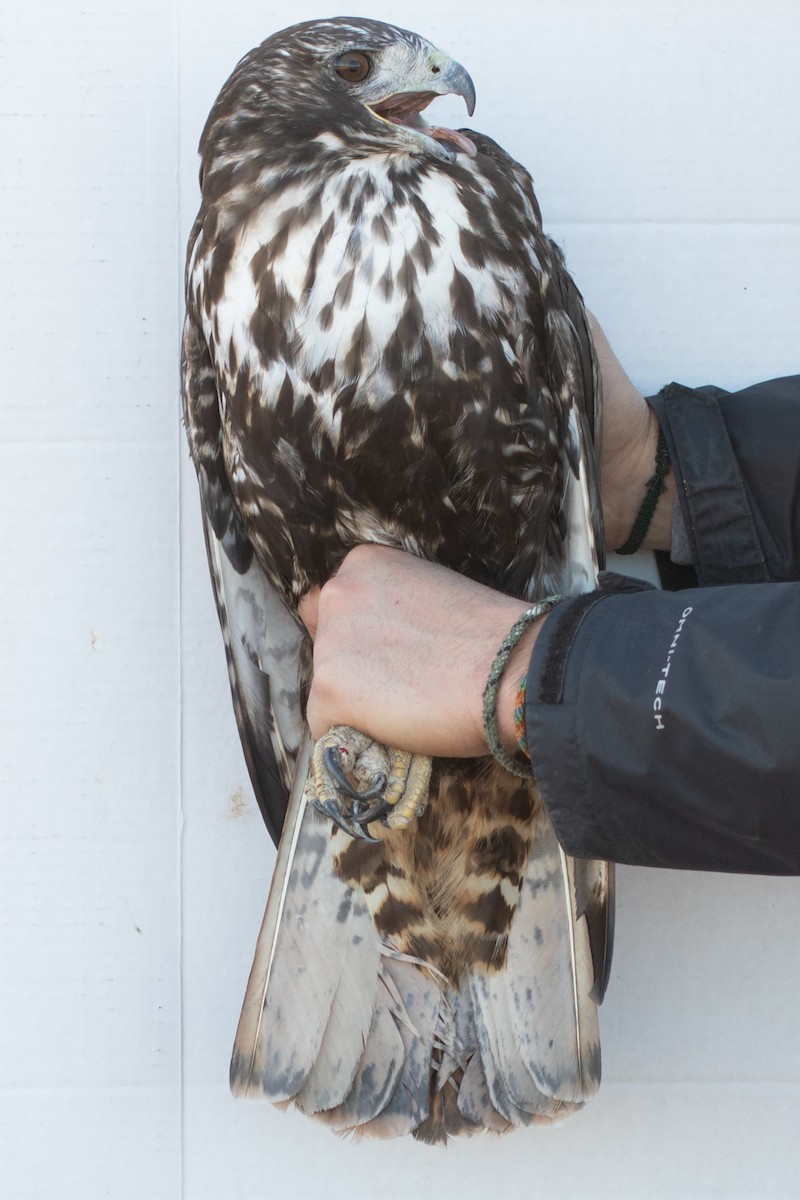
[(345, 83)]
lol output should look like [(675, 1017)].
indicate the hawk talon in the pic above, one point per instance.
[(333, 764), (376, 788), (376, 813), (330, 810)]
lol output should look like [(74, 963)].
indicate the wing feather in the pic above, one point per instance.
[(267, 648), (379, 1069)]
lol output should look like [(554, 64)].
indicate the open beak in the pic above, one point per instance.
[(446, 78)]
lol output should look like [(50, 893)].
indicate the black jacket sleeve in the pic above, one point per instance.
[(664, 727), (736, 459)]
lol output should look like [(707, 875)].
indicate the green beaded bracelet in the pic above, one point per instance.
[(654, 490)]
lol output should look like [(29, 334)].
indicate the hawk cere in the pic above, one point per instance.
[(381, 345)]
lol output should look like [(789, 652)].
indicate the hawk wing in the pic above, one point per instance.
[(570, 366), (266, 646)]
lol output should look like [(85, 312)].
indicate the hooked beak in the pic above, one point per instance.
[(450, 79)]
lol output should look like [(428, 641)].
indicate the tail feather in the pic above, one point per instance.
[(475, 1101), (511, 1087), (378, 1071), (408, 1104), (445, 1119)]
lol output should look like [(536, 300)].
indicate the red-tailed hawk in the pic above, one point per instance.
[(381, 345)]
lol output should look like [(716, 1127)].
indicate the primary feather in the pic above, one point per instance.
[(382, 345)]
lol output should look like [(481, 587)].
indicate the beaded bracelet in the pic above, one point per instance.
[(655, 488), (507, 645)]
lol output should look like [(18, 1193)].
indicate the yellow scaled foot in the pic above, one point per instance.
[(357, 782), (407, 789)]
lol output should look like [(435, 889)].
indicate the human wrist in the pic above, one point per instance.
[(646, 499), (501, 694)]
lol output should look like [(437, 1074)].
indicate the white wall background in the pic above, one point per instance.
[(664, 139)]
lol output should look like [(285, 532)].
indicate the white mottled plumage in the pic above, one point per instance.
[(227, 327)]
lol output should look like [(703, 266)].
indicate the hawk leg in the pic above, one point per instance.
[(356, 781)]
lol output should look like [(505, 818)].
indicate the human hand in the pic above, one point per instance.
[(402, 651)]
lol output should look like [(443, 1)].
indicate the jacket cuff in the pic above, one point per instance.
[(723, 540), (558, 763)]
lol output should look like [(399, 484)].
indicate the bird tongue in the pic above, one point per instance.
[(453, 135)]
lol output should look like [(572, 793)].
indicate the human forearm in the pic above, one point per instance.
[(629, 436)]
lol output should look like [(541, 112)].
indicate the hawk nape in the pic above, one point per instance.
[(381, 345)]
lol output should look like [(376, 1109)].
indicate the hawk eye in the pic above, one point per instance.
[(353, 66)]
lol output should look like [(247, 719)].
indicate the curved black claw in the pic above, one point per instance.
[(334, 765), (330, 810), (376, 788), (375, 813)]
